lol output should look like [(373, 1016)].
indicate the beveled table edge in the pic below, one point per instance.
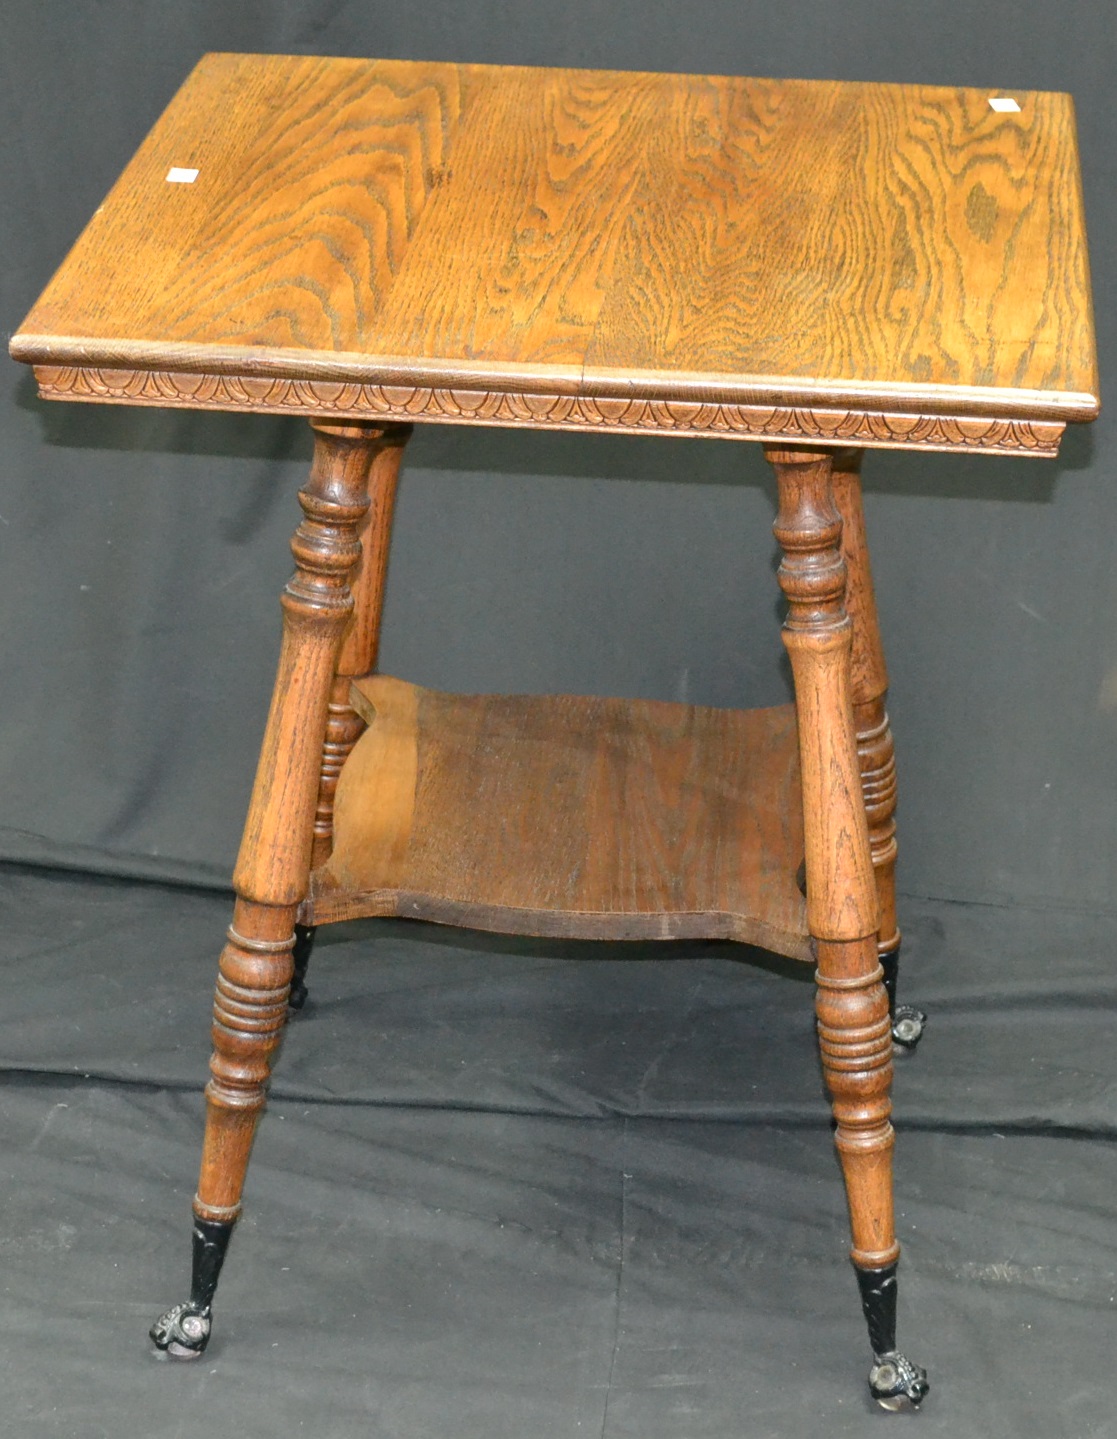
[(488, 376)]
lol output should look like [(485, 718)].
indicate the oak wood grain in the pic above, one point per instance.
[(256, 965), (609, 236), (360, 642), (843, 906), (842, 901), (876, 753), (855, 1044), (589, 818)]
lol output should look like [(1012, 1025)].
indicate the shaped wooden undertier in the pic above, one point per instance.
[(565, 816)]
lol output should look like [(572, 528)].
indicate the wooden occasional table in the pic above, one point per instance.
[(821, 267)]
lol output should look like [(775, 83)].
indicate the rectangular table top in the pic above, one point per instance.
[(786, 259)]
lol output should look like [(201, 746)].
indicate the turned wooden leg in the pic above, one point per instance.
[(359, 647), (875, 749), (361, 642), (843, 910), (250, 1005)]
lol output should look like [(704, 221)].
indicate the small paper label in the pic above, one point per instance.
[(1003, 104), (178, 175)]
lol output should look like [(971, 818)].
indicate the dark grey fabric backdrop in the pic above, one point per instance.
[(141, 552)]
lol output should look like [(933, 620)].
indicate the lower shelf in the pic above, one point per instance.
[(564, 816)]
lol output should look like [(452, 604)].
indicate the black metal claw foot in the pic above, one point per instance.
[(183, 1332), (897, 1383), (304, 943), (894, 1381), (907, 1026), (907, 1021)]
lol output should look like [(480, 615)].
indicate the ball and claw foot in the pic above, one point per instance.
[(907, 1026), (183, 1332), (896, 1383), (907, 1022)]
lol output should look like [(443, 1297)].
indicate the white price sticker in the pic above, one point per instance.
[(1004, 105), (179, 175)]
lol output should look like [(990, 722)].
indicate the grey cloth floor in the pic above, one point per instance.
[(511, 1188)]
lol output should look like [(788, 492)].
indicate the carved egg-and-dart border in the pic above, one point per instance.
[(543, 411)]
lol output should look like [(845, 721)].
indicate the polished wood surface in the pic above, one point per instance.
[(843, 909), (866, 263), (818, 634), (876, 754), (273, 867), (360, 643), (556, 815)]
